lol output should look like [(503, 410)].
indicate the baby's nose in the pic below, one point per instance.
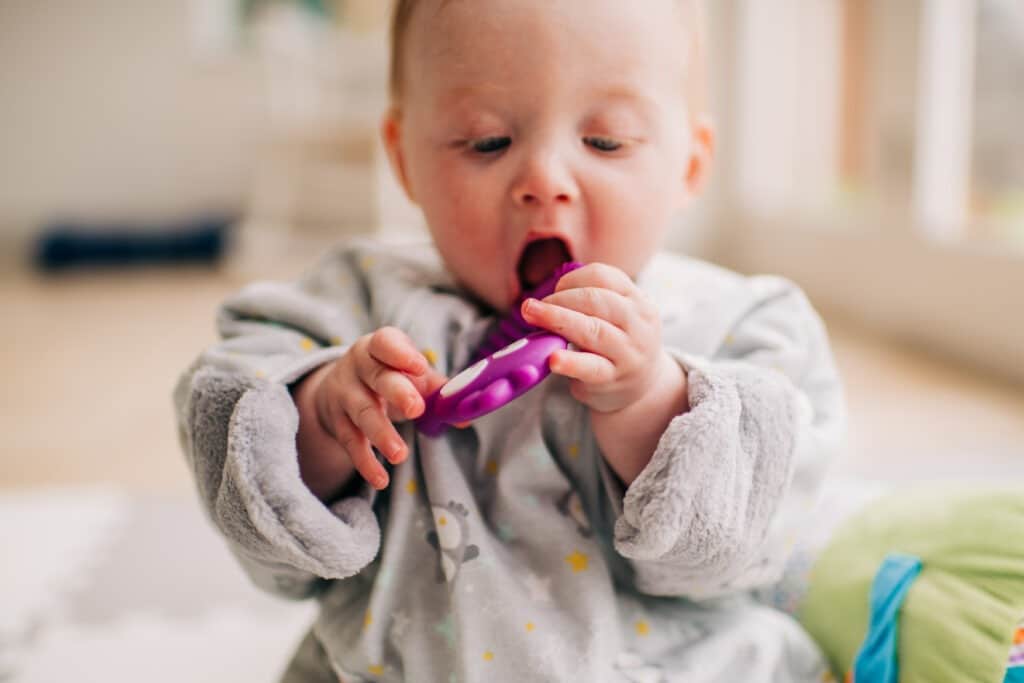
[(545, 181)]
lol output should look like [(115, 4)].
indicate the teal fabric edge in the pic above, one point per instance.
[(1014, 675), (877, 662)]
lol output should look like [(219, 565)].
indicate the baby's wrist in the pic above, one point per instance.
[(666, 395), (321, 467), (305, 395), (629, 437), (671, 384)]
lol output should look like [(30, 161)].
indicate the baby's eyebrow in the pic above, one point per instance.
[(626, 94), (463, 93)]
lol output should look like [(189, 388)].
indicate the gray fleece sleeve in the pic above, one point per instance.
[(237, 425), (719, 506)]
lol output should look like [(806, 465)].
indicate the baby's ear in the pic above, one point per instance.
[(702, 152), (391, 134)]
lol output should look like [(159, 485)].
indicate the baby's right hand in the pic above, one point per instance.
[(348, 406)]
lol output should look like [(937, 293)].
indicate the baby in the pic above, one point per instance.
[(609, 525)]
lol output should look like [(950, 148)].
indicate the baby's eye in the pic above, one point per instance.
[(603, 144), (490, 145)]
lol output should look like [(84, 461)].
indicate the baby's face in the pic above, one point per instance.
[(532, 120)]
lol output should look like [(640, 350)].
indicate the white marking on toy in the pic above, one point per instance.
[(463, 379), (511, 348)]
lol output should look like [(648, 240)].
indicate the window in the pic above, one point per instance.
[(875, 154), (997, 169), (890, 116)]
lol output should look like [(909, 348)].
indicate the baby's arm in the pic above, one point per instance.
[(718, 454), (238, 425), (719, 505)]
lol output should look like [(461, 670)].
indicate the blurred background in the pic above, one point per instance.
[(156, 156)]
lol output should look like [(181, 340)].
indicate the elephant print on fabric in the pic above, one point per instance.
[(571, 506), (450, 538)]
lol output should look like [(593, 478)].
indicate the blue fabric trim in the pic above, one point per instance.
[(876, 662), (1014, 675)]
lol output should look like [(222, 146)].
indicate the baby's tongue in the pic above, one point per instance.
[(540, 260)]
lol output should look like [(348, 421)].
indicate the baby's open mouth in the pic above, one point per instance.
[(540, 259)]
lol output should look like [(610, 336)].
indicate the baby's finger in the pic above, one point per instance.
[(588, 368), (601, 303), (585, 331), (598, 275), (392, 347), (357, 447), (428, 382), (367, 412), (399, 393)]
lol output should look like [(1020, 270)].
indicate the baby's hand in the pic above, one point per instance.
[(615, 328), (348, 406)]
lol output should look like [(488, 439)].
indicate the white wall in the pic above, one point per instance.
[(108, 110)]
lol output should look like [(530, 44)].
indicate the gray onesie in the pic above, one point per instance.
[(509, 551)]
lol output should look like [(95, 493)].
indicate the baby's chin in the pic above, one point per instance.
[(488, 295)]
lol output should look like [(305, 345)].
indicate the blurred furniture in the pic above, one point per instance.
[(872, 153), (321, 172)]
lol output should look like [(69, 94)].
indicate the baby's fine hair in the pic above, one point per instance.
[(693, 16)]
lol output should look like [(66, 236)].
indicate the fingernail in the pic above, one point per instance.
[(396, 450), (414, 406)]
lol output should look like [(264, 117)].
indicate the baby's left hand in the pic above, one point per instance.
[(615, 328)]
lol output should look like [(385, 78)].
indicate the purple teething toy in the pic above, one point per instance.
[(510, 362)]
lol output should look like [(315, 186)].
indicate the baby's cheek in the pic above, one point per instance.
[(630, 218), (630, 243)]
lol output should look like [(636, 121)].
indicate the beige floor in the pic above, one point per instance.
[(90, 361)]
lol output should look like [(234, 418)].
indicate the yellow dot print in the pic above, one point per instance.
[(574, 450), (307, 344), (442, 520), (260, 374), (367, 262), (530, 626), (430, 355), (491, 467), (642, 628), (367, 619), (577, 560), (488, 656), (337, 341), (411, 486), (376, 670)]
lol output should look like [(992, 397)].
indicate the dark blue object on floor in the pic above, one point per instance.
[(67, 244)]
